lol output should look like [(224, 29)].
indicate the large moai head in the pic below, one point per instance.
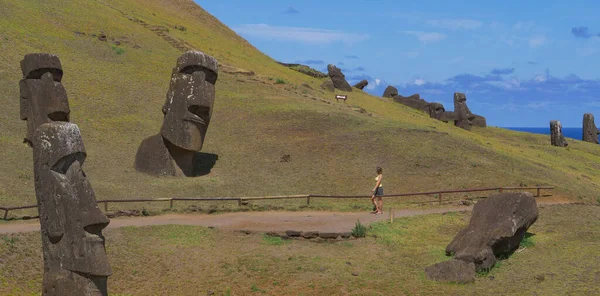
[(463, 116), (190, 99), (43, 97), (75, 261), (590, 131), (435, 110)]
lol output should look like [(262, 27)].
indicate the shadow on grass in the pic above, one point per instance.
[(203, 163)]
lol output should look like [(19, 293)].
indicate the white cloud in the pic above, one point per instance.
[(456, 24), (426, 37), (537, 41), (419, 81), (308, 35)]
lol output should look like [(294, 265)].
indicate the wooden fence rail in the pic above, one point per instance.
[(308, 197)]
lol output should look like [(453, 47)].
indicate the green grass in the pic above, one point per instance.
[(273, 240), (174, 260)]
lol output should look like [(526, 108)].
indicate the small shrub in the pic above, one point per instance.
[(118, 50), (273, 240), (527, 241), (279, 81), (598, 200), (145, 212), (359, 230)]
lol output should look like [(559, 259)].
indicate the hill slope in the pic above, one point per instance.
[(116, 93)]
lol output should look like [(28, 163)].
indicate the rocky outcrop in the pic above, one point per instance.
[(304, 70), (361, 84), (338, 78), (328, 85), (390, 92), (497, 226), (590, 131), (556, 135)]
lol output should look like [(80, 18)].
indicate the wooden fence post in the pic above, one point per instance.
[(308, 200), (171, 204), (500, 189), (106, 206), (6, 214), (391, 215), (440, 197), (538, 191), (239, 202)]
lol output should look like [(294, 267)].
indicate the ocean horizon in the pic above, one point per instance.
[(568, 132)]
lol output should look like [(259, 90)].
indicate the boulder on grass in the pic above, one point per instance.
[(456, 271)]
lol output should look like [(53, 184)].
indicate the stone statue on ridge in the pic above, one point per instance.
[(187, 112), (590, 131), (75, 260)]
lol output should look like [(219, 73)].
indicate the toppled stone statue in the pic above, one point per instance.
[(75, 261), (413, 101), (43, 98), (187, 112), (479, 121), (556, 135), (435, 110), (590, 131), (328, 85), (497, 226), (390, 92), (361, 84), (338, 78), (463, 116)]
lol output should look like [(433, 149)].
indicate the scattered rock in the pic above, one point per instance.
[(466, 202), (556, 135), (457, 271), (390, 92), (310, 234), (338, 78), (361, 84), (285, 158), (328, 235), (491, 277), (79, 34), (346, 234), (355, 273), (117, 42), (181, 28), (540, 278), (348, 263), (293, 233), (102, 37)]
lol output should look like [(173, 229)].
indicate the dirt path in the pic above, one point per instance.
[(261, 221)]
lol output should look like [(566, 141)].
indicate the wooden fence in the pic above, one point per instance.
[(308, 197)]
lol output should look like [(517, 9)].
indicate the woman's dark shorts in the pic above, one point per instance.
[(379, 191)]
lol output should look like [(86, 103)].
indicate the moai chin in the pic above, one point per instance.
[(43, 97), (75, 261), (187, 112), (463, 116), (590, 131), (556, 135)]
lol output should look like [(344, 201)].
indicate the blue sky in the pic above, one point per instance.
[(520, 63)]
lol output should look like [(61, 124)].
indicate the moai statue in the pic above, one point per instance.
[(75, 261), (463, 116), (390, 92), (435, 110), (187, 112), (43, 97), (556, 135), (590, 131), (338, 78)]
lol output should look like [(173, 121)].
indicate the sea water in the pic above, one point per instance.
[(568, 132)]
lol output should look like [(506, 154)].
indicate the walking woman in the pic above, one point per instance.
[(378, 192)]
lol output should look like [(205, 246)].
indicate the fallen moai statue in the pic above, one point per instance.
[(497, 226)]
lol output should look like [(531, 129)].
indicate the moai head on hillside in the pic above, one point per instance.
[(189, 104), (43, 97), (75, 261), (463, 116), (435, 110)]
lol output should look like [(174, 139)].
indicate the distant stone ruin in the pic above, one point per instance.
[(361, 84), (338, 78), (75, 261), (187, 112), (390, 92), (556, 135), (590, 131), (413, 101), (497, 226)]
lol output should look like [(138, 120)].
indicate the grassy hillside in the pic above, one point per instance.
[(116, 94)]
